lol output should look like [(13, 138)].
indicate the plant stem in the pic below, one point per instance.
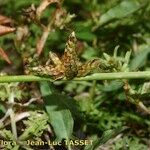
[(95, 76), (143, 108), (23, 78), (12, 116), (117, 75)]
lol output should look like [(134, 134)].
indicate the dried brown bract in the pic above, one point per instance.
[(68, 66)]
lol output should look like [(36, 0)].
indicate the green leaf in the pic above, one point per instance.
[(2, 109), (57, 107), (35, 126), (59, 100), (112, 86), (86, 35), (90, 53), (125, 8), (107, 135), (62, 123), (139, 60)]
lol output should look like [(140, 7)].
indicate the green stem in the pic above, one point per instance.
[(23, 78), (95, 76), (117, 75)]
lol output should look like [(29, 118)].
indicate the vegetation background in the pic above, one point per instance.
[(113, 113)]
